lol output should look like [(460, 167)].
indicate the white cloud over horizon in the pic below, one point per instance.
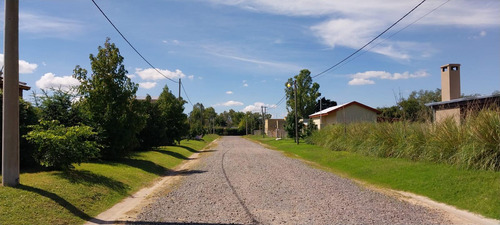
[(147, 85), (256, 107), (229, 92), (367, 77), (230, 103), (24, 66), (50, 80), (152, 74)]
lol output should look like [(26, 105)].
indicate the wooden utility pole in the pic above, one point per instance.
[(296, 119), (10, 127)]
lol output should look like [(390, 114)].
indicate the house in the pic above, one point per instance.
[(451, 105), (275, 128), (22, 87), (345, 113)]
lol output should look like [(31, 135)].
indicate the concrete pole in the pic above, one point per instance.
[(296, 119), (10, 128), (180, 84)]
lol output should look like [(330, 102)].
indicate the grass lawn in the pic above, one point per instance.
[(473, 190), (56, 197)]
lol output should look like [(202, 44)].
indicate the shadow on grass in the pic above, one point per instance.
[(173, 154), (184, 172), (207, 151), (88, 178), (146, 166), (188, 148), (56, 198)]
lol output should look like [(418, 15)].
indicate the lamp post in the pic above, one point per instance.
[(296, 119)]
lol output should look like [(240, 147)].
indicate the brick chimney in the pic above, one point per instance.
[(450, 82)]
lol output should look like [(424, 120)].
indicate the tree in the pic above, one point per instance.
[(59, 146), (307, 93), (59, 106), (196, 120), (108, 98), (27, 116), (152, 134), (172, 114), (324, 103)]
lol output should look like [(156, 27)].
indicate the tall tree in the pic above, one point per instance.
[(108, 98), (172, 112), (307, 93), (196, 120)]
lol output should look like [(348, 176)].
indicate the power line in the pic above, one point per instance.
[(355, 52), (185, 93), (124, 38), (397, 32)]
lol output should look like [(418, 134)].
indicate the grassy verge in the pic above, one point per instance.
[(57, 197), (474, 190)]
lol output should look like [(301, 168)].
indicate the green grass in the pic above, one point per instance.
[(72, 197), (474, 190)]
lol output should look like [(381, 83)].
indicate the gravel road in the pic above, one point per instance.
[(241, 182)]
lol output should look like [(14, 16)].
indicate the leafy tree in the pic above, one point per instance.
[(324, 103), (196, 120), (307, 93), (28, 115), (209, 116), (152, 134), (109, 102), (59, 106), (290, 125), (172, 114), (59, 146)]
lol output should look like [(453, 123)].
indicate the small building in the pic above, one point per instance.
[(345, 113), (275, 128), (22, 87), (451, 105)]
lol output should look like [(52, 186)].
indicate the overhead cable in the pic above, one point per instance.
[(124, 38), (375, 38)]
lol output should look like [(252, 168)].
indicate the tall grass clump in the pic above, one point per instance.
[(474, 143)]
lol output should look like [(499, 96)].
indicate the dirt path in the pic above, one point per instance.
[(240, 182)]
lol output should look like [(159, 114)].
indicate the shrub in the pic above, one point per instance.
[(59, 146)]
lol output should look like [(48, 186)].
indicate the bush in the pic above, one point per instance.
[(475, 143), (59, 146)]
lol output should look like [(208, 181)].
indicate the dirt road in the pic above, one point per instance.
[(241, 182)]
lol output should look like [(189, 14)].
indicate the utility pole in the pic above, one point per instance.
[(180, 84), (10, 127), (296, 119)]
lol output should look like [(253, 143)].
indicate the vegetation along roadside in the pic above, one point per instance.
[(473, 190), (74, 196)]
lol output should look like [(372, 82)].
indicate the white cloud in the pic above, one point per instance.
[(131, 76), (360, 81), (245, 85), (353, 23), (230, 103), (256, 107), (50, 80), (229, 92), (191, 77), (24, 67), (368, 76), (152, 74), (147, 85), (48, 26)]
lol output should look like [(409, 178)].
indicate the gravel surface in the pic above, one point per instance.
[(241, 182)]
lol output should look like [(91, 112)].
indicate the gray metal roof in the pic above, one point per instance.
[(458, 100)]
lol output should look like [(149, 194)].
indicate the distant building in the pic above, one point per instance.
[(275, 128), (451, 105), (345, 113), (22, 87)]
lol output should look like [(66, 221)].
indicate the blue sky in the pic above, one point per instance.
[(239, 54)]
